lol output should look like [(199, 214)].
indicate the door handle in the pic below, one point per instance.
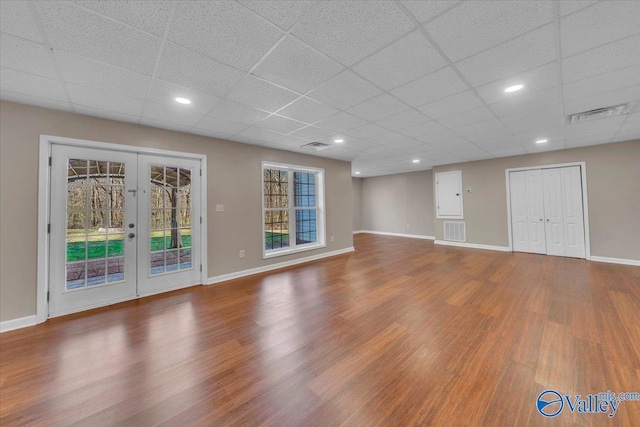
[(540, 219), (132, 235), (547, 220)]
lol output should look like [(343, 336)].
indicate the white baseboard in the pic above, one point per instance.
[(473, 246), (22, 322), (252, 271), (385, 233), (615, 260)]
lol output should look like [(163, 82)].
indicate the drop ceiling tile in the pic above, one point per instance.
[(516, 151), (260, 134), (165, 93), (172, 113), (280, 124), (484, 24), (403, 120), (110, 115), (423, 129), (470, 130), (361, 145), (502, 143), (87, 72), (211, 133), (7, 95), (457, 103), (220, 126), (377, 108), (534, 80), (387, 137), (220, 30), (601, 100), (344, 90), (164, 125), (150, 16), (85, 33), (553, 134), (570, 6), (467, 117), (16, 18), (102, 100), (313, 133), (193, 70), (401, 62), (341, 122), (607, 126), (614, 56), (32, 85), (498, 132), (425, 10), (549, 146), (307, 110), (261, 94), (430, 88), (515, 56), (367, 131), (350, 31), (539, 120), (296, 66), (627, 135), (292, 141), (527, 101), (24, 55), (283, 13), (237, 112), (607, 82), (587, 29), (585, 142)]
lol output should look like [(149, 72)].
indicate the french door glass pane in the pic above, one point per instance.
[(170, 222), (95, 216)]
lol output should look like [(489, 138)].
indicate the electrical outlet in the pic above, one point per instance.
[(241, 253), (219, 208), (333, 238)]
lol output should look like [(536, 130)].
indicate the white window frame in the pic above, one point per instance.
[(320, 208)]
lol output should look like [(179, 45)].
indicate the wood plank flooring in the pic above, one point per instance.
[(400, 332)]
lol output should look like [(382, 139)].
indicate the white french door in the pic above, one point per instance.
[(122, 225), (547, 211)]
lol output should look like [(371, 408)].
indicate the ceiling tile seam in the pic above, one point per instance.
[(624, 122), (447, 10), (580, 10), (558, 47), (108, 18), (460, 76), (163, 42), (58, 70)]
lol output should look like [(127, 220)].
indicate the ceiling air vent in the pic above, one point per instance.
[(316, 146), (601, 113)]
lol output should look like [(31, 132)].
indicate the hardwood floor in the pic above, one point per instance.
[(401, 332)]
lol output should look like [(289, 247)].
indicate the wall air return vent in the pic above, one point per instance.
[(454, 231), (316, 146), (601, 113)]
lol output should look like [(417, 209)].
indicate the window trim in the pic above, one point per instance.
[(320, 209)]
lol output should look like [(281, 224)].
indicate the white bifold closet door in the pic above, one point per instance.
[(546, 211)]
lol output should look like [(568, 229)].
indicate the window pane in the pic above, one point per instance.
[(304, 189), (276, 188), (306, 226), (276, 229)]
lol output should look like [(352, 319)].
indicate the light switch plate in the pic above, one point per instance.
[(219, 208)]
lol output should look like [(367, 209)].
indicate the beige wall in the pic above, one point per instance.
[(234, 180), (401, 203), (356, 191), (613, 184)]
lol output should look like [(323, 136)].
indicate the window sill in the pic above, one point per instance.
[(283, 252)]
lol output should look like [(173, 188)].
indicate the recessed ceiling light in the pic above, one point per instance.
[(416, 160), (357, 173), (338, 141), (183, 100), (541, 141), (513, 88)]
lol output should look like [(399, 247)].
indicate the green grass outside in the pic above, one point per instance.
[(270, 236), (97, 247)]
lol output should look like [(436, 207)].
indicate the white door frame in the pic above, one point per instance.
[(44, 203), (585, 202)]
